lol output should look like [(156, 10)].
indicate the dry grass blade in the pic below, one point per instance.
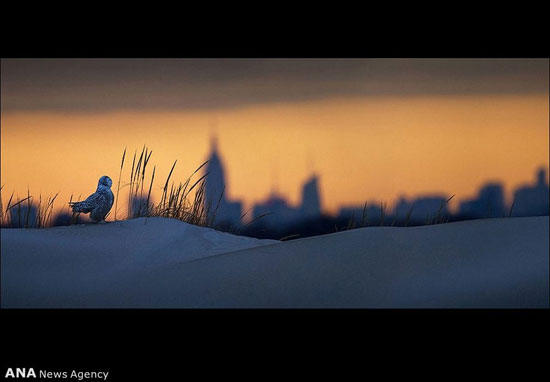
[(28, 212), (163, 199), (74, 215), (364, 216), (18, 203), (146, 160), (136, 175), (259, 217), (197, 182), (289, 237), (448, 200), (136, 207), (211, 223), (382, 213), (246, 213), (198, 168), (50, 207), (150, 188), (9, 202), (138, 167), (133, 165), (511, 208), (43, 218), (438, 217), (351, 222), (408, 218), (118, 184)]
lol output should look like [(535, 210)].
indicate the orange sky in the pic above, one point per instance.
[(363, 148)]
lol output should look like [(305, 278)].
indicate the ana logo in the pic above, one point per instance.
[(20, 373)]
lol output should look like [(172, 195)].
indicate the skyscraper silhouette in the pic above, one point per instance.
[(311, 201), (224, 211), (533, 201), (421, 209), (282, 213), (275, 211), (488, 204)]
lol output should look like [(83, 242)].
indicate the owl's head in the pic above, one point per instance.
[(105, 181)]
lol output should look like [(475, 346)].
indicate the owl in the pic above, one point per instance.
[(99, 203)]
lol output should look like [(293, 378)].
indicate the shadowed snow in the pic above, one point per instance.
[(165, 263)]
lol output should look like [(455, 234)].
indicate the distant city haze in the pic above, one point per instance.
[(459, 131)]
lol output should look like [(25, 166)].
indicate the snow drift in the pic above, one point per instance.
[(165, 263)]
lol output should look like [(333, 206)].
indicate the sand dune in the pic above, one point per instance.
[(164, 263)]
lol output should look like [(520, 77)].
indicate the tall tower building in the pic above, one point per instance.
[(311, 201), (227, 212), (215, 181), (533, 200)]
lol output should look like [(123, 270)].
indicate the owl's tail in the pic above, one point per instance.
[(79, 207)]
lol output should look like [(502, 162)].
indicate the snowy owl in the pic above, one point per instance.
[(99, 203)]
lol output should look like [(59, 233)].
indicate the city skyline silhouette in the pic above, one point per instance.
[(276, 211), (376, 130)]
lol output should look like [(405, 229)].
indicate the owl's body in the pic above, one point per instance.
[(99, 203)]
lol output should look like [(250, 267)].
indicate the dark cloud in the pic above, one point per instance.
[(173, 84)]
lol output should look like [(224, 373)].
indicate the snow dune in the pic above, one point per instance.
[(165, 263)]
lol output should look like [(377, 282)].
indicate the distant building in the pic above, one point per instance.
[(275, 211), (219, 206), (421, 209), (311, 201), (532, 201), (281, 213), (360, 215), (415, 211), (488, 204)]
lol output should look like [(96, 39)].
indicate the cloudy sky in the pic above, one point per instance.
[(76, 85)]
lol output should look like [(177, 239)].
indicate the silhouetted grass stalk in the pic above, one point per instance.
[(382, 213), (438, 219), (118, 183), (408, 218), (18, 217), (364, 216), (175, 201), (511, 208)]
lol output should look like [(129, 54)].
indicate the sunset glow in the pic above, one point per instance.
[(363, 148)]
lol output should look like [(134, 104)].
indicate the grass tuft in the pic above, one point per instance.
[(185, 201)]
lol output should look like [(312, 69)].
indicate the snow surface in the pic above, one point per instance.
[(165, 263)]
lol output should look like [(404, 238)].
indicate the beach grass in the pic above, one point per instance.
[(184, 200), (177, 201)]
